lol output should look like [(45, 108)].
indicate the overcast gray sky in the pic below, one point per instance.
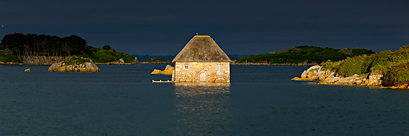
[(163, 27)]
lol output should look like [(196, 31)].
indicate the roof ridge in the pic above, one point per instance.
[(201, 36)]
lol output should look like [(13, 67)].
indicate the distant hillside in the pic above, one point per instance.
[(156, 61), (170, 57), (305, 54), (147, 57)]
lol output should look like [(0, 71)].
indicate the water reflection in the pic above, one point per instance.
[(201, 108)]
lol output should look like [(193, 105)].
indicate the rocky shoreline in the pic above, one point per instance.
[(316, 73), (10, 63)]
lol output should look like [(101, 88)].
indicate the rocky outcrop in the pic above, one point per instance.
[(121, 61), (10, 63), (315, 73), (156, 71), (168, 70), (85, 67)]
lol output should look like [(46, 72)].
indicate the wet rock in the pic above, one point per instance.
[(304, 75), (315, 67), (156, 71), (168, 70), (297, 79), (375, 79)]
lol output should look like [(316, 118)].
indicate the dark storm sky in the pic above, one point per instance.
[(163, 27)]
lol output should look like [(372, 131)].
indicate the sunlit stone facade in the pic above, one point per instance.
[(210, 72)]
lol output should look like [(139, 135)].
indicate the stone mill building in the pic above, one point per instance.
[(201, 60)]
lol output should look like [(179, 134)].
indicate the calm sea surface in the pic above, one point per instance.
[(261, 100)]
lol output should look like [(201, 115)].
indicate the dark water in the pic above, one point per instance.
[(261, 100)]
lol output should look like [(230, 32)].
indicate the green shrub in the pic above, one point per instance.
[(385, 60), (356, 52), (350, 66), (104, 56), (380, 60), (332, 66), (76, 60), (6, 56), (366, 67), (356, 65), (399, 74)]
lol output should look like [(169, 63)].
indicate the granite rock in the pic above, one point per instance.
[(85, 67)]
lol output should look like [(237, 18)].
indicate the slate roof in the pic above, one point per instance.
[(201, 48)]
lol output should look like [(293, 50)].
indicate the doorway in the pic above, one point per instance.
[(202, 77)]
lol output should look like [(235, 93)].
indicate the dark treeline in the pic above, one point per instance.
[(44, 45)]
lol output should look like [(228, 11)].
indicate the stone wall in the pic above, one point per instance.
[(195, 69), (41, 60)]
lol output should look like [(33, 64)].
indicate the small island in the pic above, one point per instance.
[(385, 69), (301, 56), (75, 64), (156, 61)]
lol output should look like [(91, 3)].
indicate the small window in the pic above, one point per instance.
[(186, 66), (219, 69)]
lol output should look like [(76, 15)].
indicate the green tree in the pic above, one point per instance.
[(65, 45), (106, 47), (74, 44), (55, 45)]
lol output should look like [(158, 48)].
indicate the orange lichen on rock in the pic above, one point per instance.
[(168, 70)]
